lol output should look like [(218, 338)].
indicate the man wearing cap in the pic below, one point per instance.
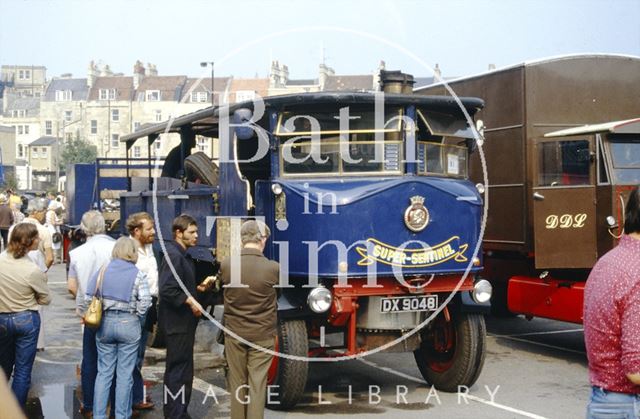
[(6, 219), (250, 312)]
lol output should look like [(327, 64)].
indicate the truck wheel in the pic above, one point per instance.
[(199, 167), (290, 376), (452, 352)]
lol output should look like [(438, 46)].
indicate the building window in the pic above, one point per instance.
[(26, 129), (202, 144), (158, 144), (20, 151), (158, 116), (199, 97), (242, 95), (136, 151), (43, 152), (153, 95), (21, 75), (63, 95), (19, 129), (94, 126), (48, 128), (34, 152), (115, 115), (115, 141), (107, 94), (27, 74), (136, 126), (67, 116)]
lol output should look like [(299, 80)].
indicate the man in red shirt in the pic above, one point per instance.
[(612, 323)]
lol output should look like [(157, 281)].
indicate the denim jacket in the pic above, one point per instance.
[(138, 303)]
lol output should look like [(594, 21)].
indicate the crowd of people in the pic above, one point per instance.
[(137, 288)]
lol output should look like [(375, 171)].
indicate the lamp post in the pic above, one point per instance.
[(204, 64)]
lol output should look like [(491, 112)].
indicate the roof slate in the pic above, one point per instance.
[(43, 141), (26, 103), (204, 85), (260, 86), (77, 86), (348, 83), (123, 86), (170, 87), (302, 82)]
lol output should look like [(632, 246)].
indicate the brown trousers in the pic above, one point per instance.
[(247, 367)]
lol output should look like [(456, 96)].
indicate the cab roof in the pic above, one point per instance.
[(204, 121), (628, 126)]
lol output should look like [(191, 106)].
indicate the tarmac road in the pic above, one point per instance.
[(535, 369)]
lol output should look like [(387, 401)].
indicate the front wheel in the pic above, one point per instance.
[(290, 376), (452, 350)]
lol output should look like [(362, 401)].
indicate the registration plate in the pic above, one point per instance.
[(409, 304)]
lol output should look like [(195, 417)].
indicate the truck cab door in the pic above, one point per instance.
[(564, 203)]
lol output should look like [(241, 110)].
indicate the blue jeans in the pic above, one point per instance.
[(18, 340), (117, 341), (138, 381), (611, 405)]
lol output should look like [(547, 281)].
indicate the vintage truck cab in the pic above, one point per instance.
[(374, 223)]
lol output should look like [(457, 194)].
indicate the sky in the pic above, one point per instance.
[(242, 37)]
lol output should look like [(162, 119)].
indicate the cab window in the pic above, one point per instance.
[(314, 143), (441, 145), (625, 156), (564, 163)]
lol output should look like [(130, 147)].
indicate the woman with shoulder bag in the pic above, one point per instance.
[(125, 298), (23, 287)]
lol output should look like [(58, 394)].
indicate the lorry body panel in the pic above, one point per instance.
[(536, 179)]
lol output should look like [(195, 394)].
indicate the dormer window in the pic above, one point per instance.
[(199, 97), (107, 94), (153, 95), (63, 95)]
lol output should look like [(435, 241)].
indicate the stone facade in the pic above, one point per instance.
[(25, 80), (104, 106)]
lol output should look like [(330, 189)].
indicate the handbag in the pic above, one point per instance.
[(93, 316)]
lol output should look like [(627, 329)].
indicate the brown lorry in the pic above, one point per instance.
[(562, 145)]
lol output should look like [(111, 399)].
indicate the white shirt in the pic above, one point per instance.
[(86, 259), (147, 263)]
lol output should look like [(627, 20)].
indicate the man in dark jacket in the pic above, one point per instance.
[(178, 314), (250, 313)]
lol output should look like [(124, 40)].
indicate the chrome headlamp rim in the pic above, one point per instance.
[(319, 299), (482, 291)]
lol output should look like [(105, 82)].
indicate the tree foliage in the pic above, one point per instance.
[(78, 151), (10, 181)]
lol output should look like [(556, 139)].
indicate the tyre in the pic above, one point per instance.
[(199, 168), (452, 352), (290, 376)]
